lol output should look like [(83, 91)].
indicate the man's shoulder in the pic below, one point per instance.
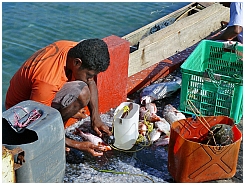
[(237, 5), (65, 42)]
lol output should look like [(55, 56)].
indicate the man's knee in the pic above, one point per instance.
[(72, 97)]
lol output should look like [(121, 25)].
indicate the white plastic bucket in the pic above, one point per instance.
[(126, 129)]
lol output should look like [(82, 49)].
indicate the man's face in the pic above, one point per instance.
[(84, 75)]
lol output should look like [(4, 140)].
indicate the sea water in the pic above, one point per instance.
[(29, 26)]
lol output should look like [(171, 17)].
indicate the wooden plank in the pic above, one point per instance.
[(187, 24), (177, 37), (135, 36), (206, 4), (156, 71)]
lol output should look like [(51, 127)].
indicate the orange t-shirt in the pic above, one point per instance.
[(41, 76)]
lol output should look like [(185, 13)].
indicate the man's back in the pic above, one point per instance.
[(41, 76)]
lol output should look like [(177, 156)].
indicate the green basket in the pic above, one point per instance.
[(212, 80)]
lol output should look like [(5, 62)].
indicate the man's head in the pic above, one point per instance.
[(90, 54)]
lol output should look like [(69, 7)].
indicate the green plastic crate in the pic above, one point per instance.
[(212, 80)]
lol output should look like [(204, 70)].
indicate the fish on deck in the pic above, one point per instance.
[(160, 90), (93, 139)]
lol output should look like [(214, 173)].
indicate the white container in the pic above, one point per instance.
[(126, 129)]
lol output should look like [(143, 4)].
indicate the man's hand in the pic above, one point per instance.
[(99, 126), (230, 33), (90, 148), (84, 146)]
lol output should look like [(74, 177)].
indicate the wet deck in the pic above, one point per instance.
[(144, 166)]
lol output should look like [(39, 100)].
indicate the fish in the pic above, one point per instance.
[(155, 134), (93, 139), (151, 107), (142, 128), (162, 141), (149, 112), (159, 90), (171, 114), (163, 126)]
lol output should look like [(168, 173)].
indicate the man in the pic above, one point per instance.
[(62, 75), (234, 30)]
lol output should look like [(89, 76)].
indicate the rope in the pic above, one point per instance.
[(116, 172), (188, 101), (148, 124), (127, 151), (211, 76), (33, 115), (184, 13), (125, 108), (191, 106)]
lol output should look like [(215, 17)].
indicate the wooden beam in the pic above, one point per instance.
[(177, 37), (144, 31)]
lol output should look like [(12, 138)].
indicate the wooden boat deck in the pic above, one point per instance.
[(161, 52)]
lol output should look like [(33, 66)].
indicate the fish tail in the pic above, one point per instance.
[(104, 146)]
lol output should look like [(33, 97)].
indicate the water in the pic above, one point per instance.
[(27, 27)]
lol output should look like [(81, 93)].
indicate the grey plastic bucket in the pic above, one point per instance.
[(43, 143)]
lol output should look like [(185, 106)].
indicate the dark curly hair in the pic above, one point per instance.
[(93, 53)]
